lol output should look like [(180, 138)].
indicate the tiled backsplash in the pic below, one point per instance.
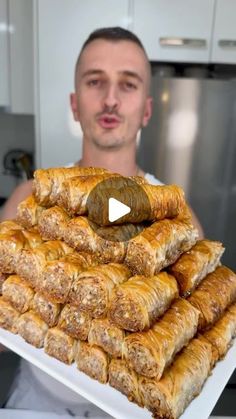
[(16, 132)]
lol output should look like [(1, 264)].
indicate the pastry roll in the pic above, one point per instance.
[(91, 290), (3, 277), (159, 246), (58, 275), (137, 303), (181, 382), (18, 292), (52, 223), (47, 182), (149, 353), (46, 309), (28, 212), (8, 316), (12, 243), (148, 202), (108, 336), (74, 322), (215, 293), (86, 236), (59, 345), (222, 333), (32, 328), (32, 261), (8, 225), (125, 380), (195, 264), (93, 361)]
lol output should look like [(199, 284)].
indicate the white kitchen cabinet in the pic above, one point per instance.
[(4, 57), (224, 33), (178, 31), (62, 27), (21, 56)]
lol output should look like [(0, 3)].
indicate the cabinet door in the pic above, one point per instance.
[(177, 30), (21, 56), (63, 26), (4, 59), (224, 34)]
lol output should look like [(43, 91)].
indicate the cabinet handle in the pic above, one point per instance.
[(182, 42), (227, 43)]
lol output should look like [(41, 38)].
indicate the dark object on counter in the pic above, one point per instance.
[(18, 163)]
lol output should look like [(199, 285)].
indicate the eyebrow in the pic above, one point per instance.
[(129, 73)]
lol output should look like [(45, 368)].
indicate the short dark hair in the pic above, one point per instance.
[(113, 34)]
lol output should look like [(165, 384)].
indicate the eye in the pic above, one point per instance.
[(128, 85), (93, 82)]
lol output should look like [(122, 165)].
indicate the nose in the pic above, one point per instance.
[(111, 97)]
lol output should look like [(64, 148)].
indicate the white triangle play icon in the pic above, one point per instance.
[(116, 209)]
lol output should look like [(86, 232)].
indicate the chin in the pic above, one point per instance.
[(107, 144)]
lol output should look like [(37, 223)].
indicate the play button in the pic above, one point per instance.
[(116, 209)]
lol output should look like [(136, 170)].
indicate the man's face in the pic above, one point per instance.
[(111, 99)]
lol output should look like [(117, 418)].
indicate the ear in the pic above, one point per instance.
[(147, 111), (74, 106)]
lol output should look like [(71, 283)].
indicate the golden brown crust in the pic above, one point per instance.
[(149, 353), (46, 309), (32, 328), (58, 275), (59, 345), (195, 264), (91, 290), (74, 322), (7, 225), (28, 212), (159, 246), (109, 337), (52, 223), (93, 361), (125, 380), (137, 303), (8, 316), (215, 293), (18, 293), (181, 382)]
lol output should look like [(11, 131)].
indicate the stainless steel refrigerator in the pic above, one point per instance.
[(191, 141)]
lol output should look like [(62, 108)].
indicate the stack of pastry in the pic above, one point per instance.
[(151, 315)]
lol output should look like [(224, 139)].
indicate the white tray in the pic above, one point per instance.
[(110, 400)]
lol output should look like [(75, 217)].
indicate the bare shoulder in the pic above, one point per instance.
[(19, 194)]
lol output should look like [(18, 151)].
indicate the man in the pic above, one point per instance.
[(112, 102)]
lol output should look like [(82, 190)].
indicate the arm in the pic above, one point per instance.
[(18, 195)]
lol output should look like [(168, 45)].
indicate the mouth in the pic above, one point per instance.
[(109, 121)]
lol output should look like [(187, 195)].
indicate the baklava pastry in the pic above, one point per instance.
[(31, 262), (107, 335), (18, 292), (148, 202), (3, 278), (8, 225), (149, 353), (86, 236), (91, 291), (222, 333), (159, 245), (28, 212), (214, 294), (52, 223), (195, 264), (8, 316), (47, 182), (58, 275), (137, 303), (46, 309), (12, 243), (59, 345), (93, 361), (181, 382), (32, 328), (74, 322), (125, 380)]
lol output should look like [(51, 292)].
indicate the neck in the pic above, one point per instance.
[(119, 161)]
